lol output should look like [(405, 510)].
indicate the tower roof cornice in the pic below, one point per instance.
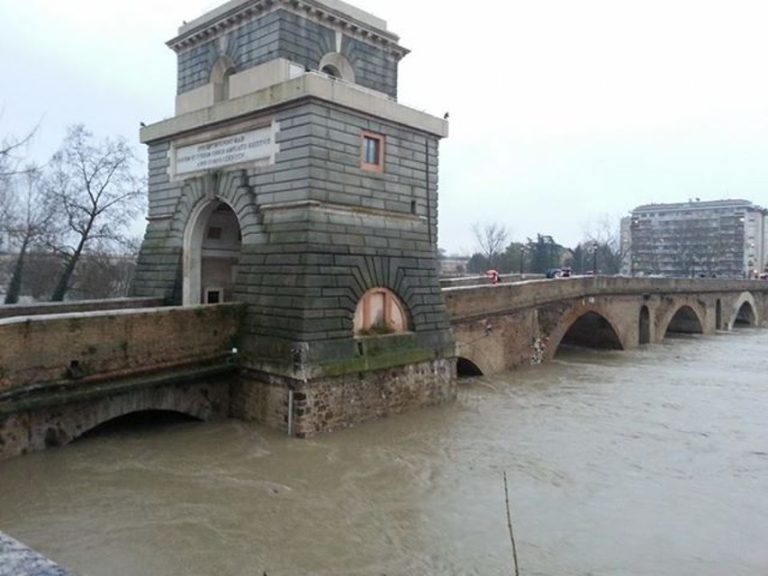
[(333, 13)]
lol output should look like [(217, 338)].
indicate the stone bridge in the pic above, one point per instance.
[(506, 326), (63, 374), (67, 368)]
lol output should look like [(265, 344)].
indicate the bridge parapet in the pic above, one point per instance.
[(502, 327), (468, 302), (51, 350), (46, 308)]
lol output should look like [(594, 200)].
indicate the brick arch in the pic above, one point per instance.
[(573, 315), (745, 298), (368, 272), (666, 319), (474, 343)]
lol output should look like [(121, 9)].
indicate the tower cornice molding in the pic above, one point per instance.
[(238, 12)]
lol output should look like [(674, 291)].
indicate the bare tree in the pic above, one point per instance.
[(9, 149), (29, 217), (602, 241), (492, 239), (106, 271), (97, 191), (10, 158)]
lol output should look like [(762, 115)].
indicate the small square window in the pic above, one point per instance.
[(214, 233), (372, 154)]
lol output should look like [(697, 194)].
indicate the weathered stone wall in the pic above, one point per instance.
[(41, 349), (285, 34), (158, 269), (334, 403), (359, 230)]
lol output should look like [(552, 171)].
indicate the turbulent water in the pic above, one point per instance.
[(648, 462)]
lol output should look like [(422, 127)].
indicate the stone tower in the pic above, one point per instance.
[(292, 180)]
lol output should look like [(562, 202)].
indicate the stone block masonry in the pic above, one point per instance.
[(335, 403), (284, 34), (324, 221)]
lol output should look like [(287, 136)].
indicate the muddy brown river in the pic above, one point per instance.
[(648, 462)]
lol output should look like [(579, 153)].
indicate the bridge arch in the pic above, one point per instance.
[(199, 401), (684, 319), (140, 418), (467, 368), (744, 312), (590, 327)]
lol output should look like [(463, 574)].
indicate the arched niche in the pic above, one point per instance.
[(380, 312), (337, 66), (719, 314), (212, 242), (220, 73), (644, 335)]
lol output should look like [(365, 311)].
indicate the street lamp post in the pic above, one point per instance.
[(522, 260), (594, 258)]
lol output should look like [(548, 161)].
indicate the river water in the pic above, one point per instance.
[(647, 462)]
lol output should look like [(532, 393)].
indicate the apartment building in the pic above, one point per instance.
[(723, 238)]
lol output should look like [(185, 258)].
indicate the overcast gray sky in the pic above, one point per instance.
[(562, 111)]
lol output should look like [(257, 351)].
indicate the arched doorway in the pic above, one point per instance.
[(212, 243), (644, 336)]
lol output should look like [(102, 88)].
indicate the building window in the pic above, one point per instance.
[(373, 152), (379, 312)]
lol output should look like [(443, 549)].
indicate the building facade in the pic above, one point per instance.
[(723, 238), (292, 180)]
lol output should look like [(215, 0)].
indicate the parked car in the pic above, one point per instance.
[(559, 272)]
